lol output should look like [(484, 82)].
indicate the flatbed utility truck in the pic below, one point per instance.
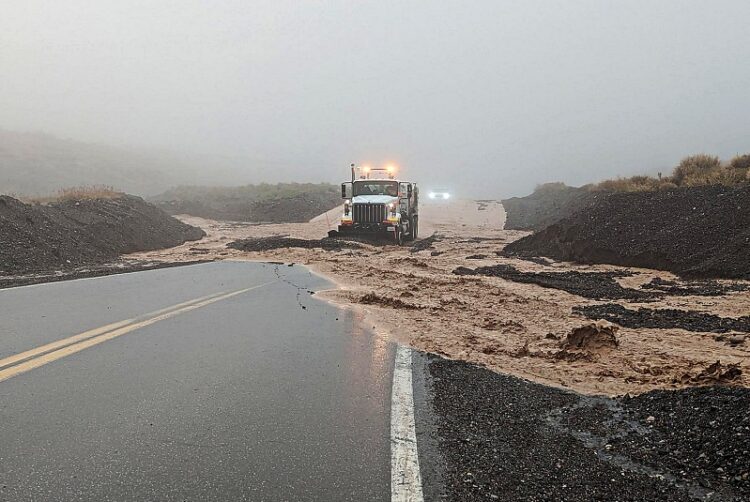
[(377, 203)]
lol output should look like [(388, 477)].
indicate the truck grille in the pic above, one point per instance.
[(368, 213)]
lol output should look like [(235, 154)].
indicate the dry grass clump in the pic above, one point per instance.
[(83, 192), (635, 184), (692, 171), (741, 165)]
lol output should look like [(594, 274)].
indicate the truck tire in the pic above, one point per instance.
[(411, 235), (398, 236)]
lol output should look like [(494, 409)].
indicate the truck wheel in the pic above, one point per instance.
[(398, 236)]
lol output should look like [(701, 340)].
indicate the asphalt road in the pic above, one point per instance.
[(229, 381), (259, 392)]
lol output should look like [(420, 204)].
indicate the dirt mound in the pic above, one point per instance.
[(665, 318), (592, 337), (76, 233), (384, 301), (268, 243), (548, 204), (281, 203), (595, 285), (695, 232)]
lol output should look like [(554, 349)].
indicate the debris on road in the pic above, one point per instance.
[(595, 285), (695, 288), (503, 320), (665, 318), (592, 337), (384, 301), (278, 242), (715, 373), (425, 244)]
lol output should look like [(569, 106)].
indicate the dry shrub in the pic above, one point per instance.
[(635, 184), (83, 192), (692, 171), (696, 170), (740, 164)]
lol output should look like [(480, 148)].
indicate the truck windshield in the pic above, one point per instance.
[(376, 188)]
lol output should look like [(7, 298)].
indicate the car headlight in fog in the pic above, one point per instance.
[(446, 195)]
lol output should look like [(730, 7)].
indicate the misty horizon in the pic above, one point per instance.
[(492, 98)]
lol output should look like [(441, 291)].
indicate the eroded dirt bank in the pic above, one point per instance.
[(62, 236), (695, 232), (526, 317)]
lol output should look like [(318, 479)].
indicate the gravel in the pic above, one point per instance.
[(700, 232), (694, 288), (70, 234), (548, 204), (595, 285), (269, 243), (503, 438), (689, 320)]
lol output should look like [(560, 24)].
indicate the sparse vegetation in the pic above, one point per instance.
[(83, 192), (692, 171), (741, 165), (635, 184)]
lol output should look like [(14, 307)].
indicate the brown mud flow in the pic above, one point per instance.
[(515, 318)]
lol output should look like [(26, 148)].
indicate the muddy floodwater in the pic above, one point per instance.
[(515, 318)]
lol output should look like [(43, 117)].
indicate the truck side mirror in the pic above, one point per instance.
[(343, 190), (408, 190)]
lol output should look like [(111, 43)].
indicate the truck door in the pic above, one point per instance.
[(403, 191)]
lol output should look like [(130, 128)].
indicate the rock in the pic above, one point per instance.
[(592, 337)]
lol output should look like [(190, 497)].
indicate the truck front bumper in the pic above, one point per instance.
[(368, 228)]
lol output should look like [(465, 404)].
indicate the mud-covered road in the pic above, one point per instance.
[(233, 381), (454, 294)]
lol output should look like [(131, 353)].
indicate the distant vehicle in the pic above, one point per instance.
[(439, 193), (375, 202)]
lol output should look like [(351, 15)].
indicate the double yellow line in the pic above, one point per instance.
[(39, 356)]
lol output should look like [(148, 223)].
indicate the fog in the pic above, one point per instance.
[(489, 97)]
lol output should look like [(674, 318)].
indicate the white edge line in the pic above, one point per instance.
[(406, 480)]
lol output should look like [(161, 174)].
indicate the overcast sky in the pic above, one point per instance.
[(492, 96)]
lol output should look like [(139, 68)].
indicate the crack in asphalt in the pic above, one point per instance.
[(299, 288)]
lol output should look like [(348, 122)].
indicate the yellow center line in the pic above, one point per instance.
[(45, 354), (16, 358)]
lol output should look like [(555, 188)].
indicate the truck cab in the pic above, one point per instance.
[(376, 204)]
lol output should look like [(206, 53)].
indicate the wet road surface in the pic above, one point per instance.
[(229, 381), (268, 394)]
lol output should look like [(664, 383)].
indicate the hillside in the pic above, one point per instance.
[(266, 203), (36, 164), (701, 231), (546, 205)]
